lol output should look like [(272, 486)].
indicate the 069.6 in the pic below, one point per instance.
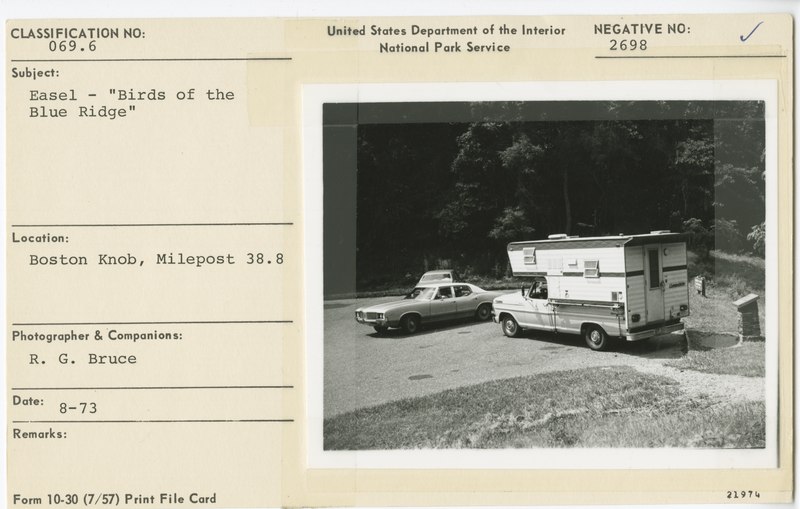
[(261, 258), (628, 44), (71, 45)]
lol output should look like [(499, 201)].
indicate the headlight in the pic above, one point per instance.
[(380, 316)]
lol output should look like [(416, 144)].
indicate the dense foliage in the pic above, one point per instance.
[(452, 195)]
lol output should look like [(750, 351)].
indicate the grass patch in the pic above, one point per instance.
[(730, 276), (609, 407), (746, 359), (735, 274)]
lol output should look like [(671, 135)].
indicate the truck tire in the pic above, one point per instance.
[(510, 326), (410, 324), (484, 312), (596, 337)]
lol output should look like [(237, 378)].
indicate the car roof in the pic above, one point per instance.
[(437, 284)]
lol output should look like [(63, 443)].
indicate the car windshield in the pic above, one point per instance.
[(433, 277), (421, 293)]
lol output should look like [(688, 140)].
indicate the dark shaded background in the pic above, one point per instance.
[(410, 187)]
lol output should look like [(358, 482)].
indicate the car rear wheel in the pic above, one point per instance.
[(484, 312), (380, 329), (596, 337), (510, 326), (410, 324)]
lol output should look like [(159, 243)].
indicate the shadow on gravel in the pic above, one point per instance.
[(554, 338), (704, 341), (459, 327), (669, 346)]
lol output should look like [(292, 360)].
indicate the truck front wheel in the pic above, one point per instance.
[(510, 326), (596, 337)]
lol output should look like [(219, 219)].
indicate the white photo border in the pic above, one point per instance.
[(313, 98)]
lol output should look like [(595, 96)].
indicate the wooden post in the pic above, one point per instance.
[(749, 326), (700, 285)]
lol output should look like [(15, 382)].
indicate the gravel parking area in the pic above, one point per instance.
[(363, 368)]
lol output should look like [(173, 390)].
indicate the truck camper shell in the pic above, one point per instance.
[(627, 286)]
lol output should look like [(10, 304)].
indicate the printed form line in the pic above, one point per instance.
[(210, 59), (136, 388), (116, 225), (137, 421), (686, 56), (206, 322)]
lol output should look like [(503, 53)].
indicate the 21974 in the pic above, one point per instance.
[(744, 494)]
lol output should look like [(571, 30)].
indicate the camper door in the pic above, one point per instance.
[(654, 283)]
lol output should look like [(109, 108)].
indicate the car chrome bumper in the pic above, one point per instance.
[(380, 322), (637, 336)]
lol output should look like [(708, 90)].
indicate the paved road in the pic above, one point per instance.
[(363, 368)]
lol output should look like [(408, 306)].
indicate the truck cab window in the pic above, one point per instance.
[(538, 290)]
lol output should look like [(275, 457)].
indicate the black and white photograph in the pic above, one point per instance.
[(544, 275)]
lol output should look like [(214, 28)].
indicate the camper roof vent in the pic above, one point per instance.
[(656, 232), (557, 236)]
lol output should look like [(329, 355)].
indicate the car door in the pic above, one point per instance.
[(538, 313), (466, 301), (443, 305)]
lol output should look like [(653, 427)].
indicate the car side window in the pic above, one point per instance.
[(463, 291), (445, 292)]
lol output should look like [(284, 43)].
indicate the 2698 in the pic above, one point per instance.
[(628, 44)]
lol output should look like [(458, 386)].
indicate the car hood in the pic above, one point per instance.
[(383, 308)]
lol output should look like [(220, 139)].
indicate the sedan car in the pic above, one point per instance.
[(429, 303)]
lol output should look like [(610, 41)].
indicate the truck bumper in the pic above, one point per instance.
[(637, 336)]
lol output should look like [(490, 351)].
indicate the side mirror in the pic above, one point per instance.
[(522, 291)]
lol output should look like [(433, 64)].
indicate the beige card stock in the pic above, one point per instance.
[(197, 209)]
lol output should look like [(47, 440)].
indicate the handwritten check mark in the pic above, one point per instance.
[(744, 38)]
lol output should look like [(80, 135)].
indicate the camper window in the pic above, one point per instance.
[(655, 280), (529, 254), (591, 269)]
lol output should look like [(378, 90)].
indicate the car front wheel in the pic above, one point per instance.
[(510, 326), (380, 329), (410, 324)]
